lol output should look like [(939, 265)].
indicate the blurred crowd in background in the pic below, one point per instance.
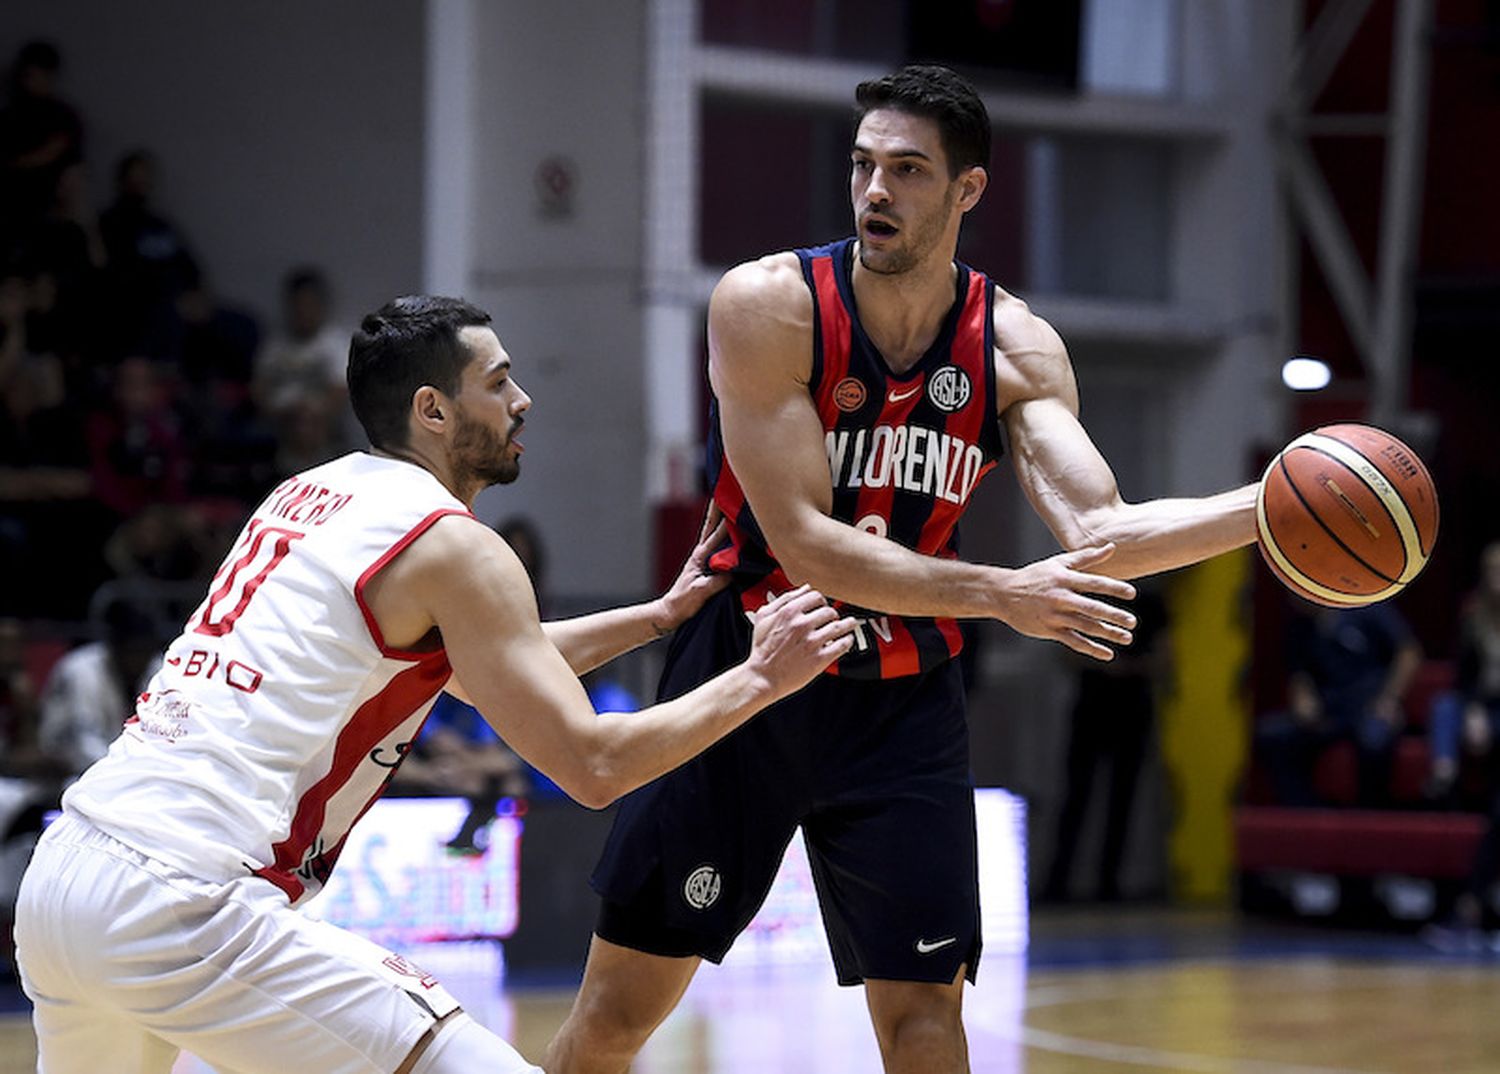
[(140, 413)]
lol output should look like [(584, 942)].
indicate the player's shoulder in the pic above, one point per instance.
[(454, 543), (771, 282), (1031, 361), (1022, 332)]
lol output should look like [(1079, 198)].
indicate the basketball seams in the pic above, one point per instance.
[(1312, 590), (1326, 528), (1418, 486), (1381, 486)]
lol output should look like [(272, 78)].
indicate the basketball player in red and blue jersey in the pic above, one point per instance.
[(861, 391)]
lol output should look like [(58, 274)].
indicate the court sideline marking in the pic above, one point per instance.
[(1129, 1054)]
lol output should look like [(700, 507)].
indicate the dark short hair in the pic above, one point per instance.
[(408, 343), (39, 54), (305, 278), (938, 94), (130, 160)]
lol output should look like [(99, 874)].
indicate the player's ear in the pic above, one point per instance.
[(431, 408), (971, 186)]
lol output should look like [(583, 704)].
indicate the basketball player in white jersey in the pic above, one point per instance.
[(158, 911)]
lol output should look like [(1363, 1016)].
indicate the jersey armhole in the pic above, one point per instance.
[(380, 564), (816, 377), (993, 424)]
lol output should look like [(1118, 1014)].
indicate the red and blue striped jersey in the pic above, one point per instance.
[(905, 453)]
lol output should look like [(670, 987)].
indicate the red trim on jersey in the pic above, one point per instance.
[(901, 656), (375, 568), (287, 883), (371, 722), (948, 628), (731, 500), (835, 327)]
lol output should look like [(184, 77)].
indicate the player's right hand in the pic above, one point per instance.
[(796, 636), (1048, 599)]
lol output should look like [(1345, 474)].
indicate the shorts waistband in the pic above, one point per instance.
[(72, 830)]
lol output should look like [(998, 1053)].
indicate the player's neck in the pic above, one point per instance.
[(904, 312), (436, 465)]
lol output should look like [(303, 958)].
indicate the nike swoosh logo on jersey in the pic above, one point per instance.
[(901, 397), (927, 947)]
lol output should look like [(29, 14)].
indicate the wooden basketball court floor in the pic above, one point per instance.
[(1098, 993)]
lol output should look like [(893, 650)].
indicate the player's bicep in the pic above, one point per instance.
[(758, 366), (487, 615)]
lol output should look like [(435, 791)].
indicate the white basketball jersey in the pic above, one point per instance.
[(279, 714)]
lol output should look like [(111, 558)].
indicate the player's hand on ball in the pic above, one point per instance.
[(1050, 599), (796, 636)]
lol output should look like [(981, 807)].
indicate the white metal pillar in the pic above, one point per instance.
[(1378, 313), (672, 306)]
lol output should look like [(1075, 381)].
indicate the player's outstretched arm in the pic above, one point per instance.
[(1070, 484), (461, 578), (760, 346), (590, 641)]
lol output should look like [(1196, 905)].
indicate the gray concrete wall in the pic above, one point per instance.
[(286, 132), (564, 287)]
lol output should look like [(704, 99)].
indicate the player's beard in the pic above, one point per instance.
[(920, 238), (483, 453)]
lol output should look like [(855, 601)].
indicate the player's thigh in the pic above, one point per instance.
[(228, 972), (54, 928), (286, 992), (74, 1038), (897, 880)]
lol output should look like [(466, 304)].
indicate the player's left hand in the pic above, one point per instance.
[(694, 585)]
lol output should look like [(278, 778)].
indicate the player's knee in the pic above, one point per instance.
[(614, 1022), (922, 1021), (463, 1046)]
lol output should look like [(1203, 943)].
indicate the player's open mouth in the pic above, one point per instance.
[(879, 229)]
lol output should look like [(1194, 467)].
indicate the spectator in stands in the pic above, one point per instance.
[(65, 249), (526, 542), (459, 754), (136, 453), (18, 696), (299, 374), (40, 134), (234, 446), (47, 514), (1112, 728), (163, 542), (91, 690), (150, 265), (1464, 721), (1350, 668)]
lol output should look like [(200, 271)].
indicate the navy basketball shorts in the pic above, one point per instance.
[(876, 772)]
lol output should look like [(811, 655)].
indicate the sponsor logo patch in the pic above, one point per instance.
[(927, 947), (904, 394), (950, 389), (849, 394), (701, 890)]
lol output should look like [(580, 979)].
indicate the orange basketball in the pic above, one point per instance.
[(1346, 515)]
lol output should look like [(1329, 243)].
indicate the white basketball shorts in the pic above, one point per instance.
[(127, 960)]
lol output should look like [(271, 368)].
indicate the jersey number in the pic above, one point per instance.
[(259, 553)]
